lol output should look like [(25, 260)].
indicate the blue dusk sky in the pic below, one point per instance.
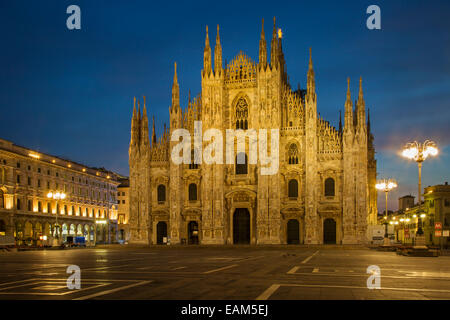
[(69, 93)]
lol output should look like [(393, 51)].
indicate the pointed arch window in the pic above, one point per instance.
[(242, 114), (293, 154), (241, 163), (161, 193), (293, 188), (329, 187)]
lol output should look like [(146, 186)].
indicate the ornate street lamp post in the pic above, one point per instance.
[(386, 186), (419, 152), (56, 196)]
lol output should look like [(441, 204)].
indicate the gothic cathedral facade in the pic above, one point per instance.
[(323, 192)]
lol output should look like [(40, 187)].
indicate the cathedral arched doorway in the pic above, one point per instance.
[(161, 232), (293, 232), (329, 231), (241, 226), (193, 232)]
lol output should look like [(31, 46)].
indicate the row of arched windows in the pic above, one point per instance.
[(192, 190), (293, 188)]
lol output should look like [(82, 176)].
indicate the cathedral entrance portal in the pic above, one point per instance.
[(329, 231), (293, 236), (241, 226), (161, 232), (193, 232)]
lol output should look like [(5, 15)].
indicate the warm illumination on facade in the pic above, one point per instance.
[(34, 155)]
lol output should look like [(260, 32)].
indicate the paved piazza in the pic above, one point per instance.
[(238, 272)]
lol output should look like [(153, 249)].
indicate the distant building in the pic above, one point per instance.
[(435, 209), (26, 213), (405, 202), (123, 203)]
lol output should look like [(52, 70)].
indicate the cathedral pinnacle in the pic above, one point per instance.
[(218, 53), (175, 89), (311, 82), (207, 55), (274, 45), (348, 120), (262, 47)]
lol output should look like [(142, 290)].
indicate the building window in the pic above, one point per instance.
[(18, 164), (447, 202), (293, 188), (241, 163), (121, 219), (329, 187), (18, 178), (193, 165), (29, 181), (161, 193), (293, 154), (29, 167), (49, 208), (39, 170), (18, 204), (39, 206), (242, 114), (30, 205), (123, 201), (192, 192)]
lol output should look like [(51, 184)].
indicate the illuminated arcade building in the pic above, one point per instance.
[(86, 203)]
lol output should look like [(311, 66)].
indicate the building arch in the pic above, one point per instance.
[(161, 232), (329, 231), (293, 154), (241, 226), (329, 187), (293, 188), (193, 192), (161, 193), (293, 231)]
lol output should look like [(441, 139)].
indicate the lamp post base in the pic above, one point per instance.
[(55, 243), (420, 242), (386, 242)]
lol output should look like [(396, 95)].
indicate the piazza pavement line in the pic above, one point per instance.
[(310, 257), (103, 268), (268, 292), (271, 290), (293, 270), (220, 269), (102, 293), (363, 275)]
